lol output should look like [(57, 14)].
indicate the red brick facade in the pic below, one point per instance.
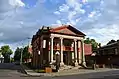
[(69, 34)]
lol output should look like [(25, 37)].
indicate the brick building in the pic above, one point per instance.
[(66, 40)]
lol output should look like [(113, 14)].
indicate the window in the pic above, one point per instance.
[(44, 43)]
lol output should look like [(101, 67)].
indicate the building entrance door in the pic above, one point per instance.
[(67, 58)]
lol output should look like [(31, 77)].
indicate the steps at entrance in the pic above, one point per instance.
[(65, 67)]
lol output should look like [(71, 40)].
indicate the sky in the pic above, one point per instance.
[(20, 19)]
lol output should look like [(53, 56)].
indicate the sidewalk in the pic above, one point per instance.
[(69, 72)]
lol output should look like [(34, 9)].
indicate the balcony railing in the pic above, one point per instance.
[(65, 48)]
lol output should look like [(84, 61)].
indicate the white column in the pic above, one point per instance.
[(79, 53), (83, 53), (61, 52), (51, 50), (75, 52)]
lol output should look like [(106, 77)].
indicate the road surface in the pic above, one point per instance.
[(10, 74), (9, 71)]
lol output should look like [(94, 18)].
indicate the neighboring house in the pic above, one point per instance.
[(108, 54), (88, 54), (66, 40), (1, 58)]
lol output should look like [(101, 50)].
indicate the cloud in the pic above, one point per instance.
[(64, 8), (57, 13), (104, 27), (84, 1), (93, 1), (17, 3), (1, 34), (92, 14), (74, 9), (96, 18), (70, 9), (9, 22), (104, 35), (19, 24), (58, 22)]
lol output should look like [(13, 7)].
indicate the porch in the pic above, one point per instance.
[(70, 51)]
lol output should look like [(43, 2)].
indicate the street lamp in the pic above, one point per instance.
[(21, 23), (21, 58)]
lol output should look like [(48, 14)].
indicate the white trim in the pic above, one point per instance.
[(66, 36)]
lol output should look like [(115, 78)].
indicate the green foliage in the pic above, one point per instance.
[(24, 51), (17, 54), (93, 42), (5, 50), (87, 41), (26, 54), (12, 60)]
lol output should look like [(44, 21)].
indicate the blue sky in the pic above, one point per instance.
[(20, 19)]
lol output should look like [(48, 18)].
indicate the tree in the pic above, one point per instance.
[(25, 54), (12, 60), (17, 54), (94, 44), (87, 41), (6, 52)]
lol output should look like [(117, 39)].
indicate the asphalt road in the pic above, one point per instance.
[(10, 74), (9, 71)]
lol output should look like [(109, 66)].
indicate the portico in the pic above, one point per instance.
[(77, 48)]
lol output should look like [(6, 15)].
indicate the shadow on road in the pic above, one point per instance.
[(12, 66)]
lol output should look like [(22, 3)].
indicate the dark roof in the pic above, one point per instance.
[(109, 45)]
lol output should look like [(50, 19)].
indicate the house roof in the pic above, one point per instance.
[(64, 29), (67, 29), (109, 45)]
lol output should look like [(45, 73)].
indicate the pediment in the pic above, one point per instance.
[(67, 30)]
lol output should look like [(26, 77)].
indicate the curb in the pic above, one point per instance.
[(58, 74), (31, 75)]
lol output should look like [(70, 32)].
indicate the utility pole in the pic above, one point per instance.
[(21, 23), (21, 55)]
